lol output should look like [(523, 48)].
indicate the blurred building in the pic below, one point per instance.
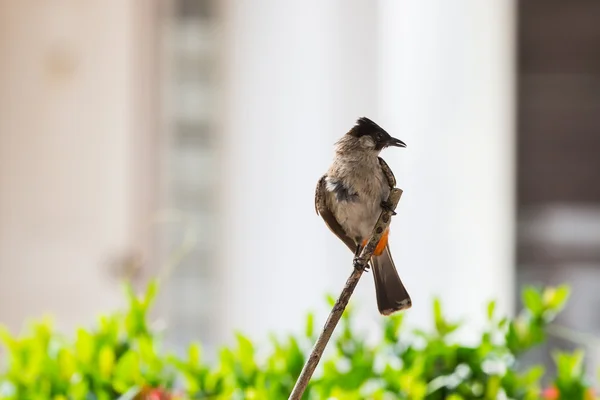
[(184, 139), (559, 159)]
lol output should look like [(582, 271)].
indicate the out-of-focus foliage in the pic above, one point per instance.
[(119, 356), (121, 359)]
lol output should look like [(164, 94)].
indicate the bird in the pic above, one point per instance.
[(350, 198)]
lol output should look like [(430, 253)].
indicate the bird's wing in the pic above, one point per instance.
[(387, 171), (322, 209)]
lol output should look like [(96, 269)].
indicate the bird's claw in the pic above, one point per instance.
[(387, 206), (360, 265)]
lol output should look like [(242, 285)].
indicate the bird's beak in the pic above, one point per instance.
[(392, 141)]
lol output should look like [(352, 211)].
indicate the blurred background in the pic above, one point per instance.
[(184, 139)]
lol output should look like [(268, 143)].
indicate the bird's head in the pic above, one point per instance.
[(370, 136)]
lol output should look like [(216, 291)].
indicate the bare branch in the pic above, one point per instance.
[(340, 305)]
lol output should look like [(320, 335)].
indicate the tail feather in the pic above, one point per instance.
[(391, 293)]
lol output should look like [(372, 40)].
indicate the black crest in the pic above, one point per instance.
[(364, 126)]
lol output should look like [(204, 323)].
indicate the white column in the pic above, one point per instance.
[(446, 88), (68, 153), (298, 75)]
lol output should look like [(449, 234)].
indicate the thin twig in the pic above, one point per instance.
[(566, 333), (340, 305)]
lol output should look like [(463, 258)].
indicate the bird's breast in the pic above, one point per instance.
[(358, 215)]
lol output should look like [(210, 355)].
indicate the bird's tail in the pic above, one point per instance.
[(391, 293)]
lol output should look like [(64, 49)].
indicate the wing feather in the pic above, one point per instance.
[(322, 209), (387, 171)]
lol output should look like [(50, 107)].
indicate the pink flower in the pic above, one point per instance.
[(552, 393), (154, 394)]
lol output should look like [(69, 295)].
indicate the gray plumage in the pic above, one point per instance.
[(349, 198)]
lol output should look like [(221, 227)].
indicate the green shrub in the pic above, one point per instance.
[(121, 358)]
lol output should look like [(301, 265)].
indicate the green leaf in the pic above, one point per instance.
[(246, 348), (330, 300), (194, 352), (392, 327), (569, 365), (10, 342), (503, 322), (146, 348), (556, 298), (534, 374), (440, 323), (84, 346), (106, 361), (442, 326), (493, 388), (67, 364), (151, 291), (310, 325), (532, 299), (490, 310), (109, 328), (127, 369), (570, 379)]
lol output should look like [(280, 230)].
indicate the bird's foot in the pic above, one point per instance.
[(360, 264), (387, 206)]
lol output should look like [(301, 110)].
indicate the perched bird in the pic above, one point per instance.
[(350, 198)]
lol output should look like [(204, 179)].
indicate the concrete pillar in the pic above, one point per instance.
[(446, 88), (298, 74)]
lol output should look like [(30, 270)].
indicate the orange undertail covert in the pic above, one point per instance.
[(381, 245)]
